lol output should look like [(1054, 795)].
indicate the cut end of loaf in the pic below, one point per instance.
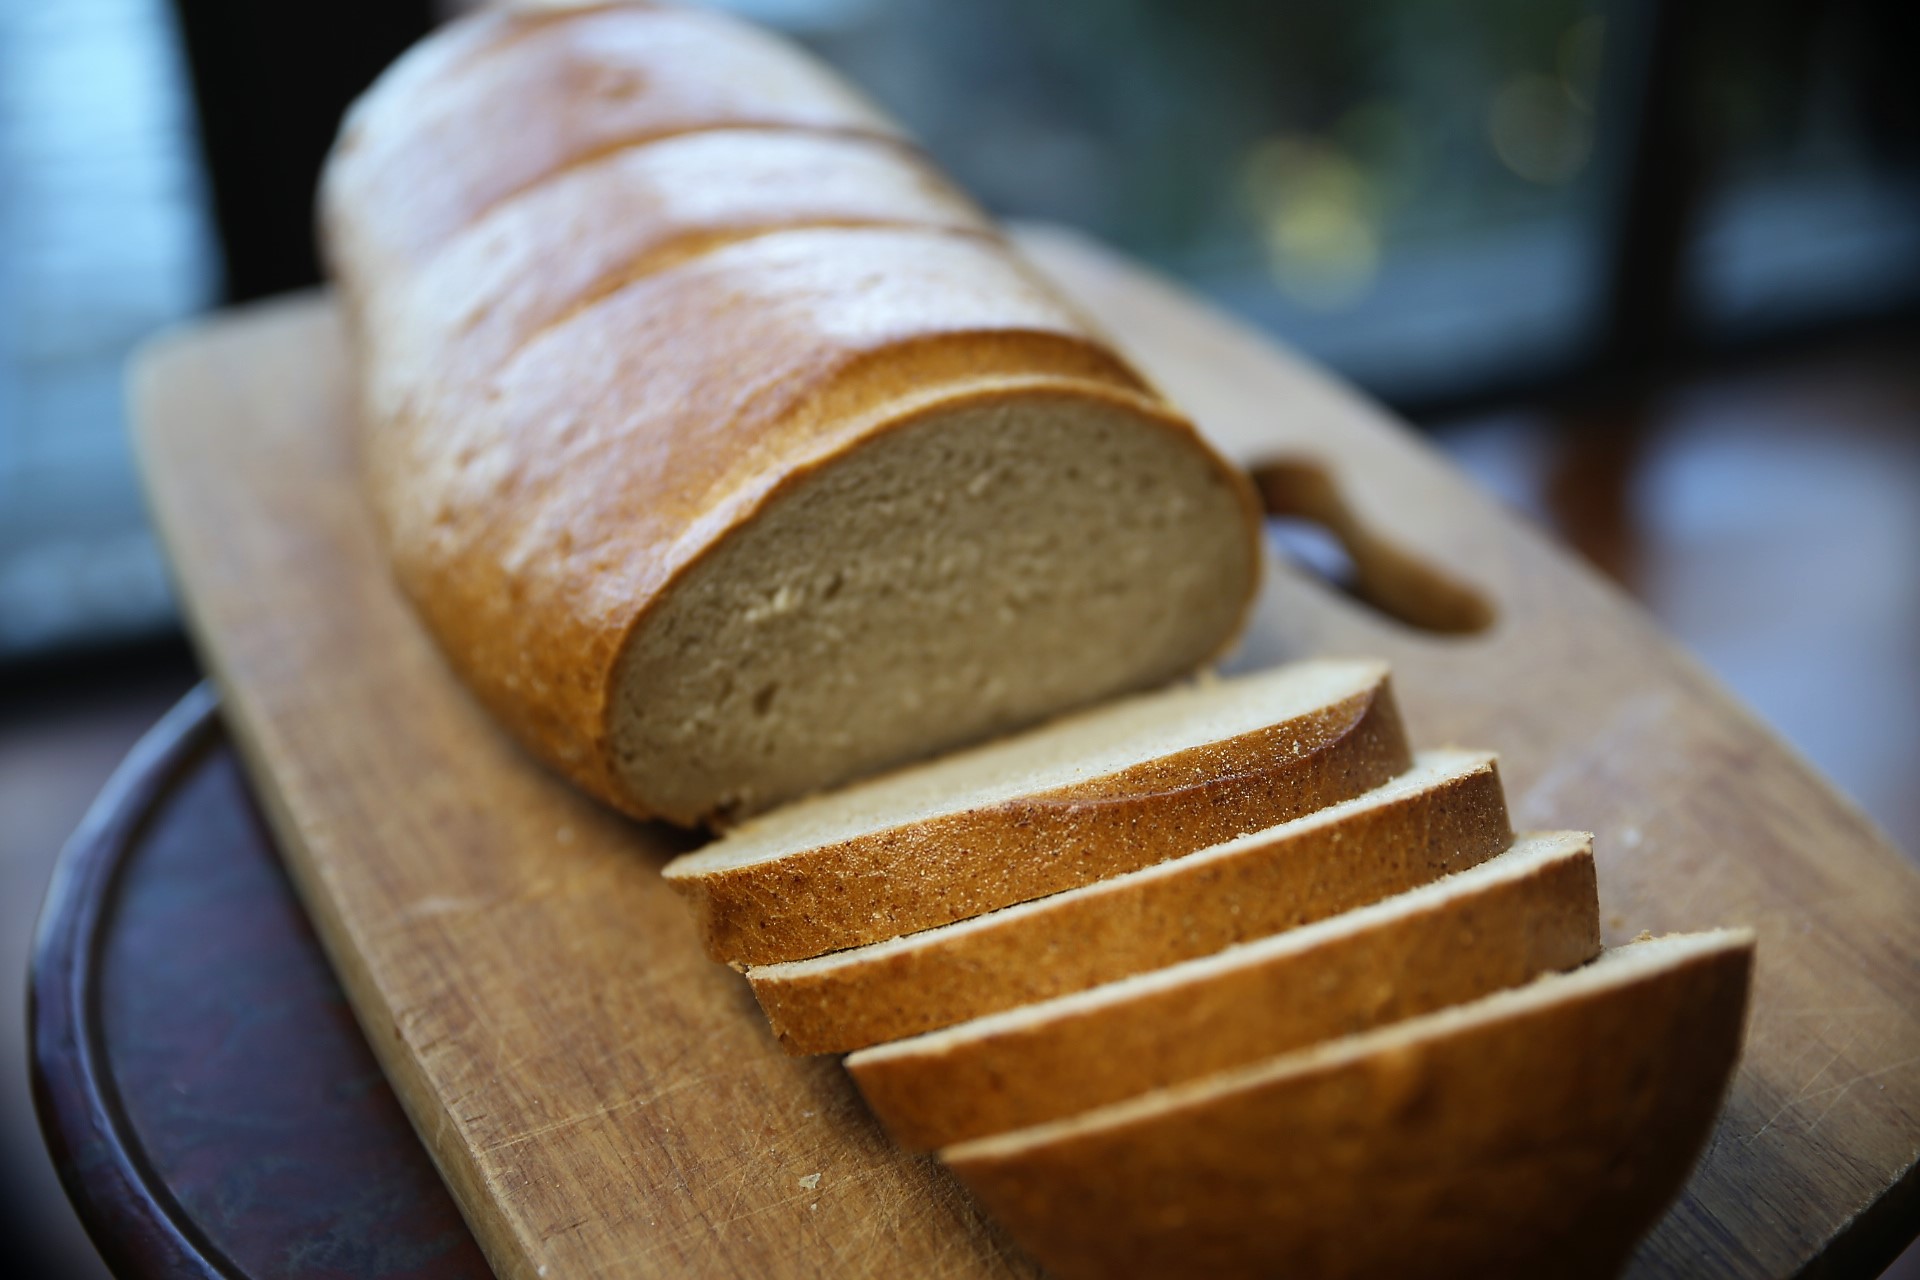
[(988, 564)]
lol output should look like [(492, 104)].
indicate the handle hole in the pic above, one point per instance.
[(1317, 549), (1310, 521)]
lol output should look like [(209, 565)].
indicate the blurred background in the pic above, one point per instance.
[(1650, 271)]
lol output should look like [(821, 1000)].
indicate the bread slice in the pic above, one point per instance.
[(1537, 1131), (1445, 814), (1089, 796), (1528, 911)]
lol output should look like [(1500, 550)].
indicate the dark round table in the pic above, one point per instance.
[(206, 1094)]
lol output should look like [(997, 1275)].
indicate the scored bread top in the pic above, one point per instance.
[(1445, 814), (1541, 1128), (1091, 795), (551, 89), (529, 262), (1522, 913)]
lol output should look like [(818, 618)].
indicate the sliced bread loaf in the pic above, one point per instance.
[(726, 452), (1529, 911), (1445, 814), (1089, 796), (1536, 1131)]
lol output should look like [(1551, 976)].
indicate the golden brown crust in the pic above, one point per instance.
[(1286, 993), (1185, 908), (534, 260), (1543, 1142), (959, 865)]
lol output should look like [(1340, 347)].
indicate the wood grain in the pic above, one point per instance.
[(605, 1101)]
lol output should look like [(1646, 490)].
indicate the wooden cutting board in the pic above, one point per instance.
[(605, 1101)]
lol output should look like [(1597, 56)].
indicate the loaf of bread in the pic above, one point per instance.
[(1089, 796), (1529, 911), (1445, 814), (731, 455), (727, 451), (1537, 1131)]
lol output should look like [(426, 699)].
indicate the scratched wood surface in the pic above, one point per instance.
[(604, 1101)]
